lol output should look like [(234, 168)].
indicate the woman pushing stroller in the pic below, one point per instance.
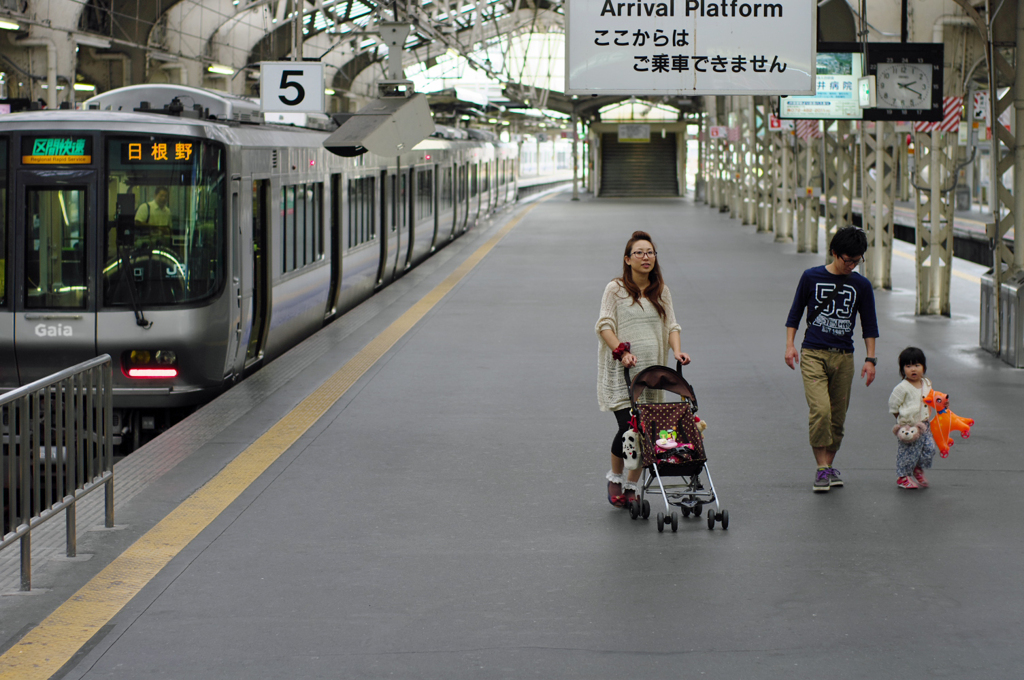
[(637, 327)]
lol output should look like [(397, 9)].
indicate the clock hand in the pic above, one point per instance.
[(907, 87)]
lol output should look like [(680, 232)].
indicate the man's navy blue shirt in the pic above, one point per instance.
[(834, 326)]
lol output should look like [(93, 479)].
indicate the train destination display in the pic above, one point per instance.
[(173, 150), (56, 150), (690, 47)]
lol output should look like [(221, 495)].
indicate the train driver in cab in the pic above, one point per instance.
[(155, 215)]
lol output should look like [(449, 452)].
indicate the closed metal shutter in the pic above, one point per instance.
[(639, 169)]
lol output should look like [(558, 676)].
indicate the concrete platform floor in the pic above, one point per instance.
[(447, 518)]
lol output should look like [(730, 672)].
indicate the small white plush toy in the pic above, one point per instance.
[(908, 433), (629, 450)]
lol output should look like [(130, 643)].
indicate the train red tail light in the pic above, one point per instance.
[(152, 372), (150, 364)]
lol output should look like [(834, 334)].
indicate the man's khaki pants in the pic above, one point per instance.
[(828, 378)]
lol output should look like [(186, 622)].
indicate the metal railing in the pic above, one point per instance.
[(57, 448)]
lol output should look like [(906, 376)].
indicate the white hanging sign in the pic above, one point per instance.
[(634, 132), (981, 105), (292, 86), (690, 47)]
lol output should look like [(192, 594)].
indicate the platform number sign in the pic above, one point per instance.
[(292, 86)]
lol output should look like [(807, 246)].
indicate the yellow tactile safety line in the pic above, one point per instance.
[(51, 644)]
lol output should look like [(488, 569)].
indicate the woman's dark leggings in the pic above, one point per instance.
[(623, 419)]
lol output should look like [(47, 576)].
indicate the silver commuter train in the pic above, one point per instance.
[(262, 237)]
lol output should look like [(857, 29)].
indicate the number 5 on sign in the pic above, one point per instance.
[(296, 86)]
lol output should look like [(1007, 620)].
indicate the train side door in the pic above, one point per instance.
[(238, 275), (385, 231), (335, 232), (54, 284), (260, 309)]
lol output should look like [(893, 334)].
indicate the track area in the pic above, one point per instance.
[(443, 516)]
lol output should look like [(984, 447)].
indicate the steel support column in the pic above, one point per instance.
[(879, 200), (839, 178), (934, 240), (765, 183), (785, 181), (809, 202)]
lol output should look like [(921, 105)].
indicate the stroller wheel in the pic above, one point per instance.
[(645, 512), (711, 519), (725, 519), (686, 511), (634, 509), (661, 522), (675, 522), (697, 509)]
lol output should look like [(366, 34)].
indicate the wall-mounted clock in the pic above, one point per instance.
[(908, 81)]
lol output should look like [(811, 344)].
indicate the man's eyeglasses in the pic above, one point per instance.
[(643, 254), (849, 262)]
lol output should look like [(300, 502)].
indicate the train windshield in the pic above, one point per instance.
[(165, 221)]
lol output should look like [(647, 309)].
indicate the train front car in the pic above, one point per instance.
[(175, 230), (117, 245)]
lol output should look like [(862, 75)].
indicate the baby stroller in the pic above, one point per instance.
[(670, 445)]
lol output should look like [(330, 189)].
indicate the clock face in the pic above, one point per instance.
[(904, 86)]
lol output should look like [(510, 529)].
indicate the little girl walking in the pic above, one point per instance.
[(913, 454)]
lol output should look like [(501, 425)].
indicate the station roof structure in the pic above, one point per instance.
[(513, 47)]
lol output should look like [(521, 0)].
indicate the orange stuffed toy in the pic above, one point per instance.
[(945, 421)]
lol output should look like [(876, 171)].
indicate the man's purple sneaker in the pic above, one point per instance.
[(833, 478), (822, 480)]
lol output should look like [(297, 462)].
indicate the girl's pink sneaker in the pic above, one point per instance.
[(921, 480), (907, 483)]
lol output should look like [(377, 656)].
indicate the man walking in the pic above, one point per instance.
[(833, 295)]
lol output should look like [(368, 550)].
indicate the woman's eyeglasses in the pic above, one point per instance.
[(643, 254)]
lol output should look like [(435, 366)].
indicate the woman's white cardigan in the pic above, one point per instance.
[(638, 324)]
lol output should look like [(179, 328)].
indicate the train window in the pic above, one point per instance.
[(362, 219), (313, 250), (402, 211), (485, 176), (473, 179), (55, 254), (302, 238), (288, 210), (3, 222), (447, 189), (175, 249), (424, 193)]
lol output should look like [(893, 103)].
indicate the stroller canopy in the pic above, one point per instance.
[(662, 378)]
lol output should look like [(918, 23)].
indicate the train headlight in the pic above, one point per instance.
[(141, 363)]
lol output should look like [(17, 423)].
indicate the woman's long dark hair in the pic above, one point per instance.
[(655, 285)]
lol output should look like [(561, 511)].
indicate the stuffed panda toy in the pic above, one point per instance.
[(629, 450)]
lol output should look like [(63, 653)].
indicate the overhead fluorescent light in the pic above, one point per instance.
[(329, 92), (220, 69), (84, 87), (10, 25)]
